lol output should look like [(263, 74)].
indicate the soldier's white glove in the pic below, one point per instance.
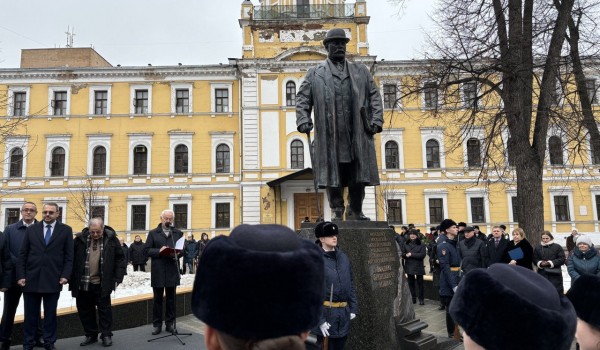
[(352, 316), (324, 327)]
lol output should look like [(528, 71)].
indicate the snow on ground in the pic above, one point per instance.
[(134, 283)]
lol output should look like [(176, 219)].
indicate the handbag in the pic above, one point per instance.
[(553, 270)]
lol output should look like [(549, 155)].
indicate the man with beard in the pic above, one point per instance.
[(347, 113)]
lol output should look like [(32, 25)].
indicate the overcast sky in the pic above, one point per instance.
[(161, 32)]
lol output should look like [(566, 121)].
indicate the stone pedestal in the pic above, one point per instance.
[(383, 296)]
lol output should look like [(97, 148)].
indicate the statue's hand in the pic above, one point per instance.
[(376, 128), (305, 128)]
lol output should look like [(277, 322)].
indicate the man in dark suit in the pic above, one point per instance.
[(164, 274), (14, 237), (44, 266), (496, 245)]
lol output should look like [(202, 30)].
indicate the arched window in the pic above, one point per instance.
[(57, 164), (99, 161), (181, 159), (290, 93), (223, 158), (297, 154), (392, 159), (16, 162), (140, 160), (473, 152), (555, 150), (432, 148)]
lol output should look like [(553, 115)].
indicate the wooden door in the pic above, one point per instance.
[(305, 205)]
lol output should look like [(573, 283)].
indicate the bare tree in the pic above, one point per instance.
[(87, 199)]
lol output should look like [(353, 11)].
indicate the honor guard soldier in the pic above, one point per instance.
[(449, 266)]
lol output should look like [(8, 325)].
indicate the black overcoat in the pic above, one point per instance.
[(413, 264), (496, 254), (43, 266), (113, 267), (318, 93), (6, 264), (163, 269), (136, 253), (551, 252)]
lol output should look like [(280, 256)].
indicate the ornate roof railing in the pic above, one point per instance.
[(303, 11)]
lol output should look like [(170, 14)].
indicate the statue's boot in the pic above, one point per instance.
[(338, 214), (355, 215)]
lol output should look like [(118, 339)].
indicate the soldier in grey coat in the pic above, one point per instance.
[(348, 112)]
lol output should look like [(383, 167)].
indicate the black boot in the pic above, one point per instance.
[(338, 214)]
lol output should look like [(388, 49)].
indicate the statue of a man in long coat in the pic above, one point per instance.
[(347, 113)]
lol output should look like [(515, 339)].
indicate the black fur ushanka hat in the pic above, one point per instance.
[(260, 282), (585, 297)]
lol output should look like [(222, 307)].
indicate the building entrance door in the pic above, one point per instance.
[(305, 205)]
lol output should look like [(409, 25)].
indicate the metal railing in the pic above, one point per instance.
[(303, 11)]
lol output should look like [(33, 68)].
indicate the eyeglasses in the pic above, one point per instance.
[(95, 232), (48, 212)]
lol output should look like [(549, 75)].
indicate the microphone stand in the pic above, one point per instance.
[(174, 333)]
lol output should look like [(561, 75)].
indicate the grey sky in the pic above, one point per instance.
[(138, 32)]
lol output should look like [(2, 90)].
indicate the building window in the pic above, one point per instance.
[(222, 215), (181, 215), (290, 93), (595, 154), (57, 164), (394, 212), (561, 208), (430, 95), (515, 208), (477, 209), (470, 95), (389, 96), (140, 160), (182, 101), (100, 102), (60, 214), (592, 91), (12, 216), (473, 153), (141, 101), (436, 210), (221, 100), (59, 104), (99, 163), (98, 211), (19, 103), (432, 148), (16, 162), (555, 150), (392, 158), (598, 206), (297, 154), (223, 158), (138, 217), (181, 159)]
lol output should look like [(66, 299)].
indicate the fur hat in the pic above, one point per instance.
[(585, 239), (511, 307), (461, 224), (446, 224), (326, 229), (260, 282), (584, 295)]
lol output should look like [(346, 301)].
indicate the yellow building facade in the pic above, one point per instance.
[(218, 143)]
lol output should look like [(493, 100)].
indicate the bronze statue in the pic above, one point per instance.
[(348, 112)]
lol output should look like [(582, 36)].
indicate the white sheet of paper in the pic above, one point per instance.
[(179, 244)]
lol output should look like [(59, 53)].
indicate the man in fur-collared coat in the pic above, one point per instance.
[(347, 113)]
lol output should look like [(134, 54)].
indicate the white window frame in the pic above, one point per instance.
[(180, 138), (10, 203), (284, 90), (437, 134), (12, 142), (589, 149), (463, 100), (307, 160), (140, 139), (61, 201), (396, 135), (132, 89), (183, 199), (595, 191), (95, 140), (217, 138), (439, 96), (138, 200), (510, 194), (554, 131), (53, 141), (478, 193), (561, 191), (213, 104), (473, 133), (11, 93), (51, 91), (222, 198), (92, 104), (399, 194), (596, 80), (399, 100), (100, 201), (435, 193), (181, 86)]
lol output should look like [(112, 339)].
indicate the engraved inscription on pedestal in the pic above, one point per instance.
[(382, 254)]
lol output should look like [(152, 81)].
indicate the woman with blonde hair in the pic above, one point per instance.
[(519, 251)]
